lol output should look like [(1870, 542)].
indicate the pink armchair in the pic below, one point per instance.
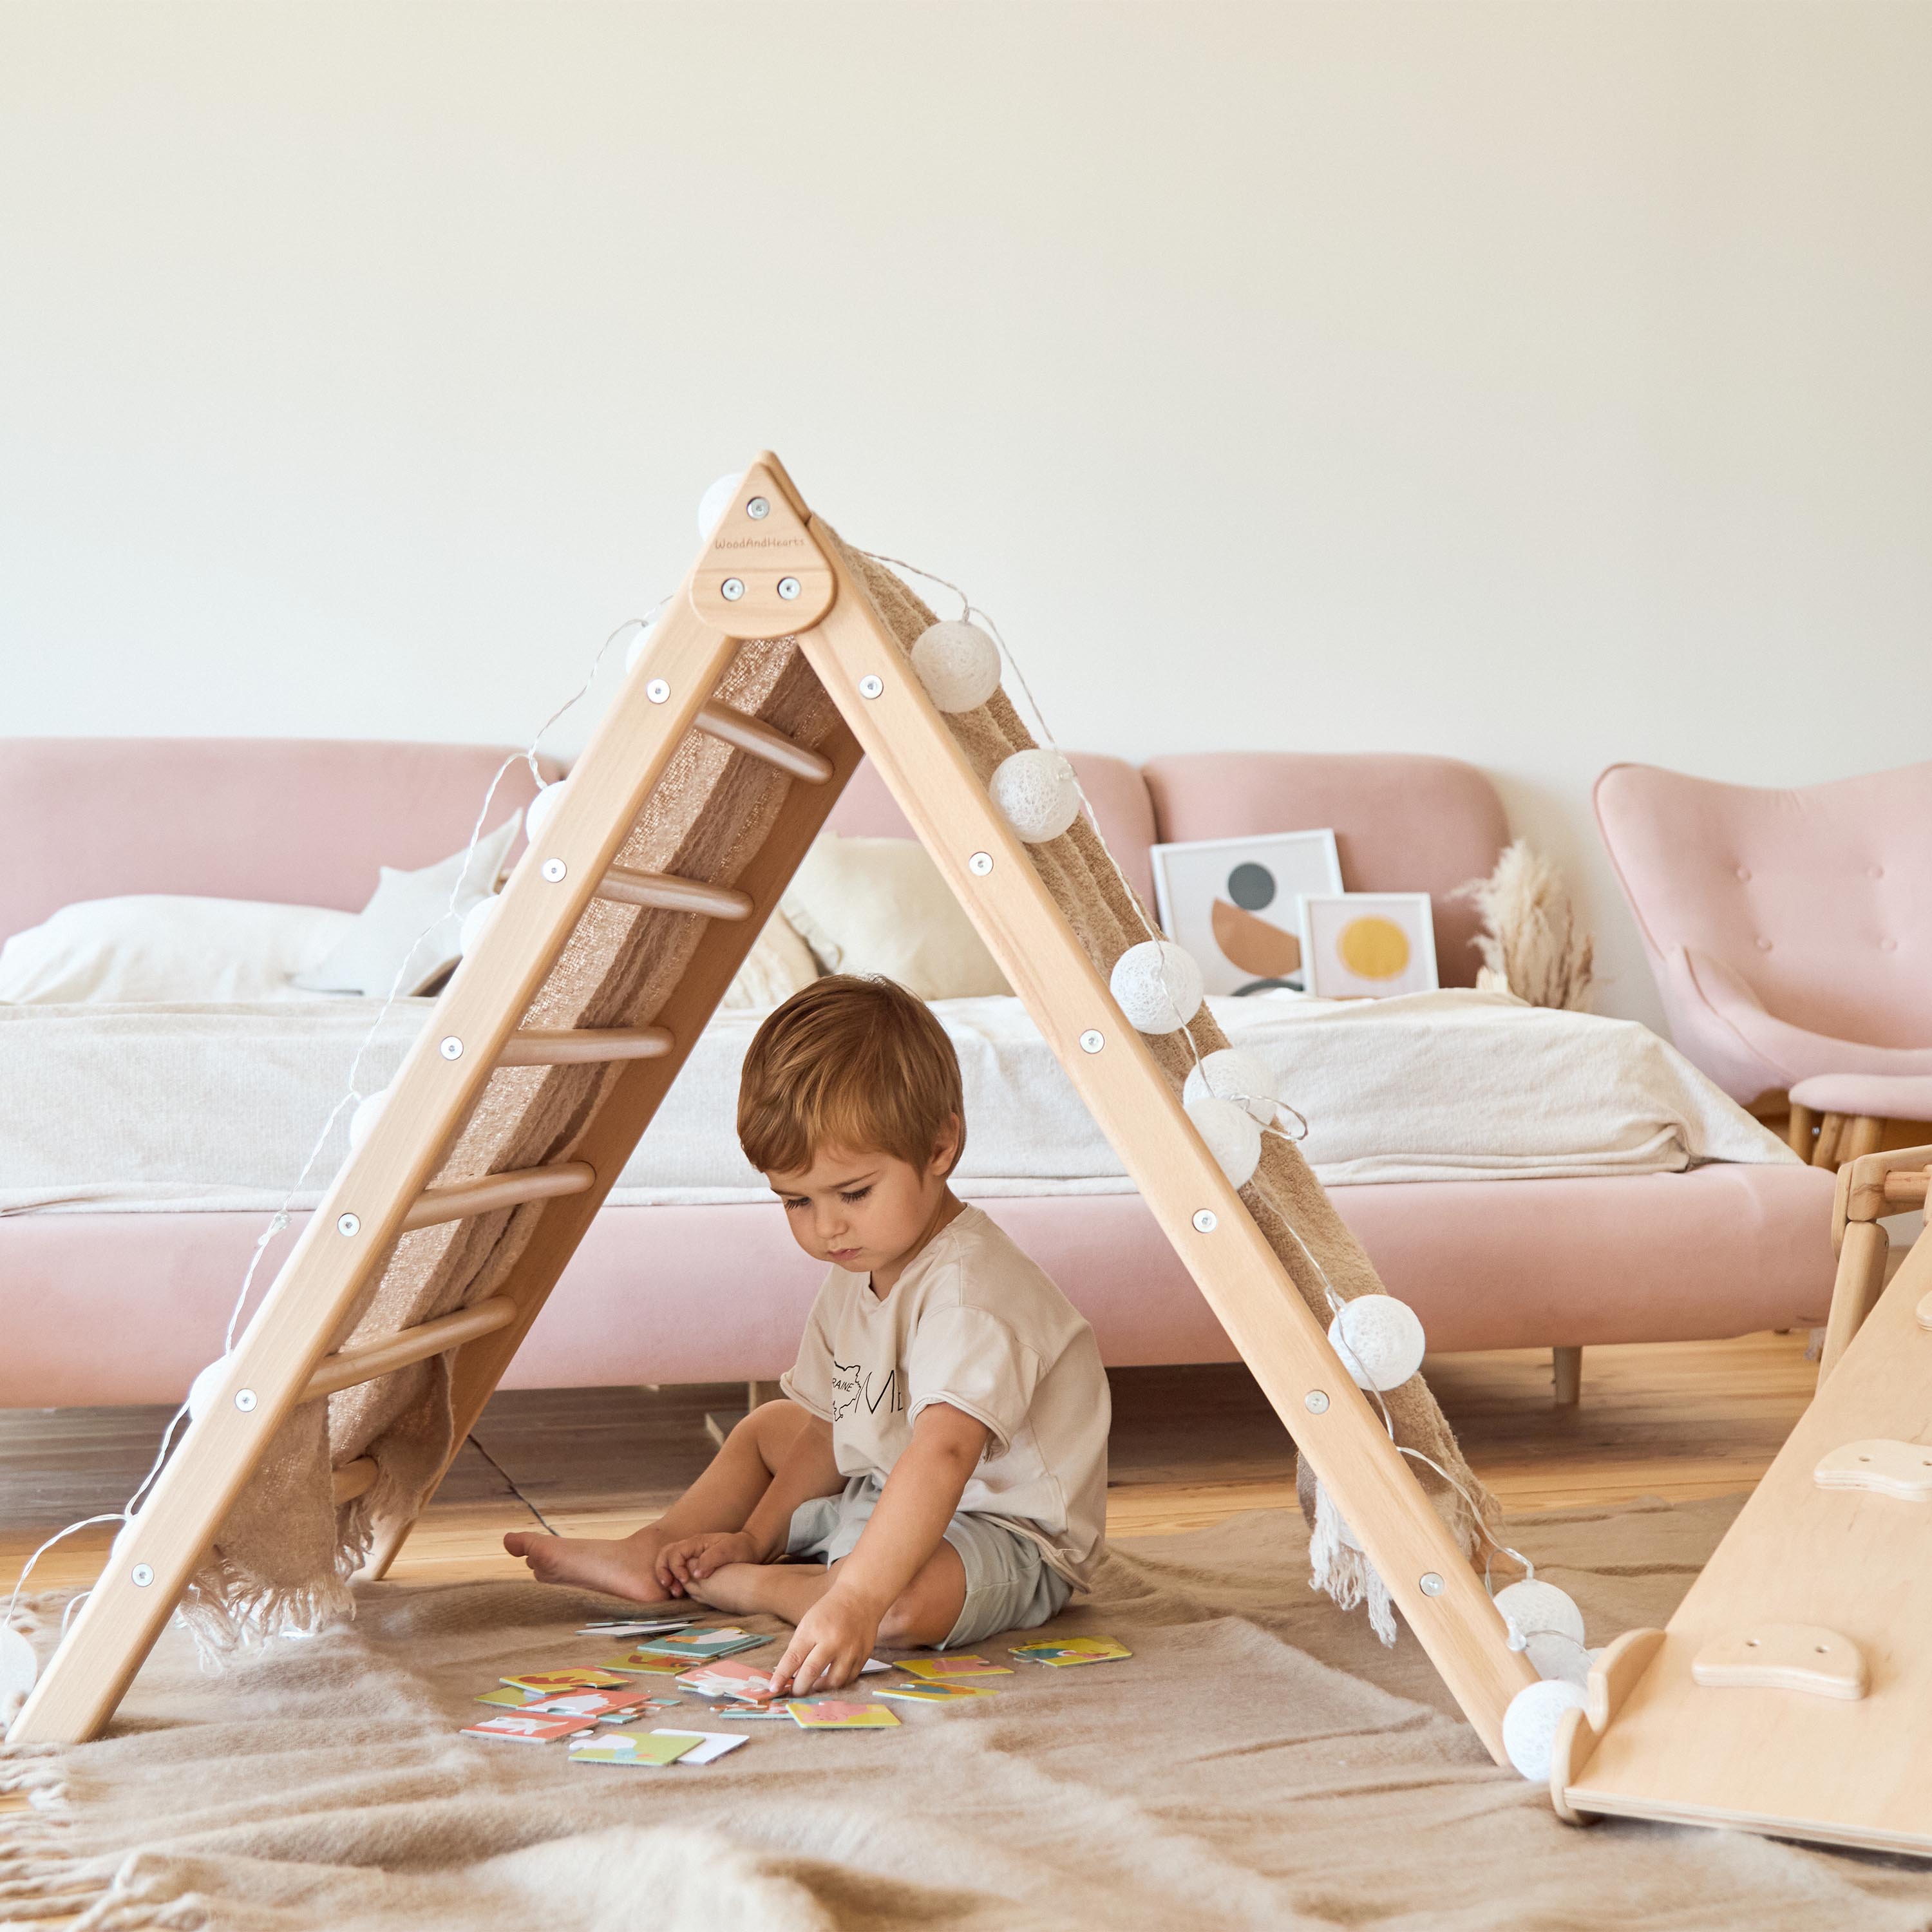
[(1790, 932)]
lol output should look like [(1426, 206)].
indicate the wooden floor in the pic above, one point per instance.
[(1189, 1446)]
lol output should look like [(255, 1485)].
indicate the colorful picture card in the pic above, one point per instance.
[(532, 1728), (654, 1748), (550, 1683), (507, 1697), (710, 1745), (703, 1646), (1061, 1651), (645, 1664), (935, 1693), (636, 1627), (829, 1715), (941, 1669), (597, 1704)]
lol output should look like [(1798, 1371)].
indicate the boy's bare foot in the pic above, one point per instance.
[(625, 1567), (786, 1590)]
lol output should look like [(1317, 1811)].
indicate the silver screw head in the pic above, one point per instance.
[(734, 588), (1432, 1585), (980, 864), (1315, 1402), (349, 1224), (450, 1047), (555, 871), (244, 1400), (1092, 1040), (1205, 1221), (657, 691), (141, 1576), (787, 588), (758, 509), (870, 686)]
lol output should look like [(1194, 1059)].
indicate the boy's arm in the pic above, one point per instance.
[(808, 1469), (836, 1636)]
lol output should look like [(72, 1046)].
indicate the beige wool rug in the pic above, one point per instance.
[(1261, 1763)]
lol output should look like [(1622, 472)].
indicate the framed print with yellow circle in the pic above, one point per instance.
[(1357, 946)]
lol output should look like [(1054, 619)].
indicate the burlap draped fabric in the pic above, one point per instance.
[(283, 1557)]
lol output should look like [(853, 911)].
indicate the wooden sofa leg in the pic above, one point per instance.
[(1568, 1363), (1861, 1136), (1800, 1130), (1825, 1149), (1861, 1278)]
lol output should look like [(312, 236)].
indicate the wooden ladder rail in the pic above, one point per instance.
[(348, 1237), (1241, 1278)]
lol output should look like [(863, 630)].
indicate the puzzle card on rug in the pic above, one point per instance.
[(829, 1714), (939, 1669), (634, 1627), (597, 1704), (645, 1664), (727, 1680), (515, 1727), (550, 1683), (710, 1744), (1061, 1651), (935, 1693), (633, 1747), (703, 1646), (510, 1699)]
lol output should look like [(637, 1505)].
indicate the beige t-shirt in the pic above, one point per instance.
[(971, 1322)]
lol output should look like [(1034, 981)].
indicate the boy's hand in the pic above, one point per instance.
[(832, 1642), (691, 1558)]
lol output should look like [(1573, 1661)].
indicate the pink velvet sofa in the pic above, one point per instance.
[(125, 1307)]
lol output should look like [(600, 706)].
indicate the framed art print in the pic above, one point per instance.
[(1368, 945), (1235, 903)]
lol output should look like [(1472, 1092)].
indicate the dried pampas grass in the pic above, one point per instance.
[(1530, 944)]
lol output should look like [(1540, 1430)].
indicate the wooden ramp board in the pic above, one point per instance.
[(1837, 1769)]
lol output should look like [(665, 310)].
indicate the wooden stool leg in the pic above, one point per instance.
[(1568, 1364), (1801, 1129), (1861, 1136), (1860, 1277), (1824, 1152)]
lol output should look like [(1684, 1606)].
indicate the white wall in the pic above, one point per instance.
[(1546, 385)]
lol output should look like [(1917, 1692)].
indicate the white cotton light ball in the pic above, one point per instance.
[(1379, 1339), (475, 922), (1545, 1622), (958, 664), (638, 645), (1529, 1725), (1036, 794), (362, 1122), (1157, 985), (716, 500), (202, 1392), (1232, 1073), (19, 1668), (1232, 1137), (542, 808)]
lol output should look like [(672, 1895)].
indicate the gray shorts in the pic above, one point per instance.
[(1009, 1585)]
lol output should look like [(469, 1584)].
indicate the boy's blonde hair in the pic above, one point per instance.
[(848, 1062)]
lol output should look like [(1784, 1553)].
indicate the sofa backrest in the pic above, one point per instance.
[(1819, 897), (1403, 823), (305, 821)]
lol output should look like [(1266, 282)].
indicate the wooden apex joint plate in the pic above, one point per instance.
[(763, 574)]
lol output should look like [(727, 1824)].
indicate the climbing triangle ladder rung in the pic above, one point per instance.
[(753, 736), (354, 1479), (348, 1366), (510, 1189), (568, 1046), (665, 892)]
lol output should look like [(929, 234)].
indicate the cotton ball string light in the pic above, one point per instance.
[(542, 808), (1232, 1136), (1379, 1339), (958, 664), (716, 501), (18, 1667), (1037, 794), (1230, 1073), (362, 1122), (201, 1391), (1529, 1725), (475, 921), (1157, 985), (638, 645), (1545, 1622)]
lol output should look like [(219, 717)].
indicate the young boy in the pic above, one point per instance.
[(942, 1449)]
